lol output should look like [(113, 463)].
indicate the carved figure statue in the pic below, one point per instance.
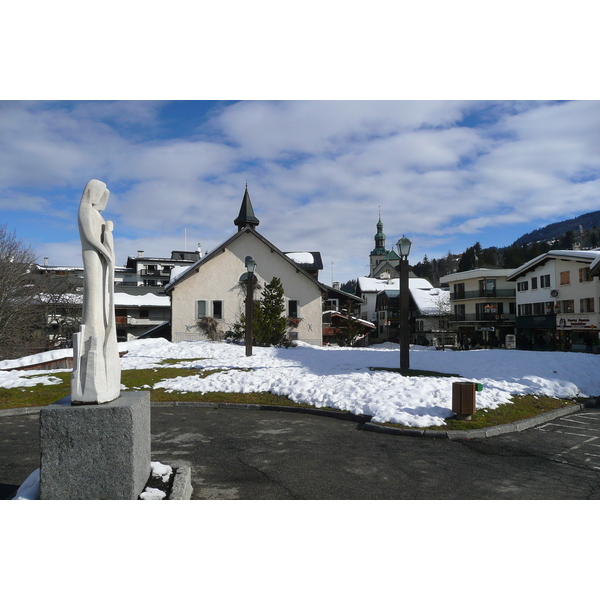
[(96, 368)]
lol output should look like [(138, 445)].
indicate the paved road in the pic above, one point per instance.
[(249, 454)]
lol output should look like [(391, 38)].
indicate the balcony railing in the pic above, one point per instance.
[(474, 317), (500, 293), (139, 321), (157, 273)]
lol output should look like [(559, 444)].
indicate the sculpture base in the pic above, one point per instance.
[(95, 452)]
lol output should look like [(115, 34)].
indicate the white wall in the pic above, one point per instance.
[(575, 290), (218, 279)]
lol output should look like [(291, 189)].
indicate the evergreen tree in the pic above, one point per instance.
[(470, 258), (269, 322), (566, 241), (424, 269), (349, 286)]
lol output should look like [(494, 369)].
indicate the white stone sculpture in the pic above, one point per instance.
[(96, 367)]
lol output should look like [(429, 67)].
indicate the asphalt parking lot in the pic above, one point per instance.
[(251, 454)]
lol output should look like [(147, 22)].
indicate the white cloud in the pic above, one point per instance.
[(11, 201), (317, 171)]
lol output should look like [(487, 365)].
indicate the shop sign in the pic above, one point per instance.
[(575, 323), (487, 329)]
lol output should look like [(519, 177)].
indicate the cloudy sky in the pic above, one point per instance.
[(332, 129), (444, 173)]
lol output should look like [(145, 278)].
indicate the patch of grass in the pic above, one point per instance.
[(38, 395), (137, 378), (522, 407), (176, 361), (414, 372), (265, 398)]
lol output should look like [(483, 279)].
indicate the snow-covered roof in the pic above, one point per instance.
[(64, 298), (58, 268), (177, 272), (344, 316), (122, 299), (475, 274), (302, 258), (585, 255), (432, 301), (370, 284)]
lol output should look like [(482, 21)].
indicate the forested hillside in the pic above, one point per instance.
[(581, 232)]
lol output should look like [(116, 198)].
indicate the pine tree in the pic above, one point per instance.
[(269, 321)]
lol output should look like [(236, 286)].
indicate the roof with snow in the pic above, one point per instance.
[(307, 260), (433, 301), (475, 274), (371, 285), (585, 256), (122, 299), (429, 300), (337, 313)]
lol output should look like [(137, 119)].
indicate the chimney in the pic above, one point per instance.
[(45, 261), (140, 254), (336, 285)]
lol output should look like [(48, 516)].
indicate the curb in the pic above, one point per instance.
[(483, 433), (182, 483), (11, 412), (364, 420)]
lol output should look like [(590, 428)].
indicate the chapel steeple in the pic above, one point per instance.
[(246, 216), (382, 260), (379, 239)]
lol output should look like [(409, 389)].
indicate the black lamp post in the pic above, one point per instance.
[(250, 268), (403, 246)]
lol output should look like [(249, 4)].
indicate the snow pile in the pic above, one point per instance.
[(152, 494), (341, 377), (159, 471), (162, 471), (22, 379)]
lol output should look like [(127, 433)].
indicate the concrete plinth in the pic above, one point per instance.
[(95, 452)]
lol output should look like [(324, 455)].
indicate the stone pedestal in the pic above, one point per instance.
[(95, 452)]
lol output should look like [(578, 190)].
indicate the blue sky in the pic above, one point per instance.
[(444, 173), (332, 127)]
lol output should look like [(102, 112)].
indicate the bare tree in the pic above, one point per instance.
[(443, 312), (18, 296), (60, 309)]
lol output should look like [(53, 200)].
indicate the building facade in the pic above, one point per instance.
[(483, 306), (211, 286), (558, 300), (143, 272)]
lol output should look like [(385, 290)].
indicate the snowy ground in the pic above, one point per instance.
[(340, 377)]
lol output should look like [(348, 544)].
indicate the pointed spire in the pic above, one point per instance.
[(246, 216), (379, 236)]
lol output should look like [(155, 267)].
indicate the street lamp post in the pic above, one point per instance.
[(250, 268), (403, 246)]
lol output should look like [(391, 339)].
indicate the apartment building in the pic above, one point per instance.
[(483, 305), (558, 301)]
